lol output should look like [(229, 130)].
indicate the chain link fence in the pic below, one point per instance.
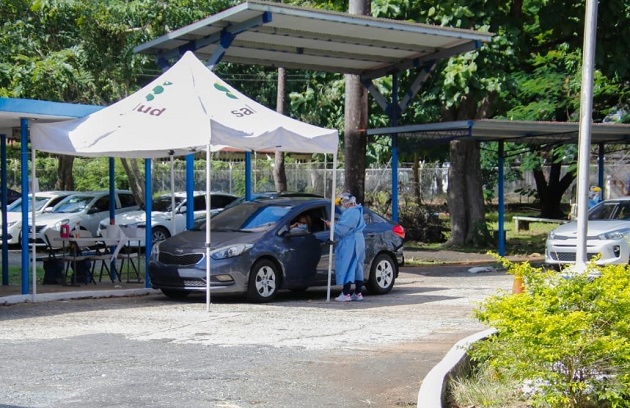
[(311, 177)]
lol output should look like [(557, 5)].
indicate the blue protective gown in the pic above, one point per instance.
[(350, 247)]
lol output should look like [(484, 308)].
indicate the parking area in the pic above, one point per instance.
[(299, 351)]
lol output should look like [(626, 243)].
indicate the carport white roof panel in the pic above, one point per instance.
[(511, 131), (12, 110), (293, 37)]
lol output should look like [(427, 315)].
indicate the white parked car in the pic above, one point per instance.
[(133, 223), (82, 211), (44, 201), (608, 235)]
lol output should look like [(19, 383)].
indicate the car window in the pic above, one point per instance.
[(200, 203), (102, 204), (163, 203), (73, 204), (16, 206), (244, 216), (220, 201), (266, 216), (623, 211), (127, 200), (604, 211)]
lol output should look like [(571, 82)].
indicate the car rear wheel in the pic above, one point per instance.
[(159, 234), (176, 294), (263, 281), (382, 274)]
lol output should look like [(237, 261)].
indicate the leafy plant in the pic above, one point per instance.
[(567, 335)]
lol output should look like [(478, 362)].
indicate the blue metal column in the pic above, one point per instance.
[(248, 176), (24, 175), (501, 193), (190, 188), (393, 114), (148, 206), (4, 195)]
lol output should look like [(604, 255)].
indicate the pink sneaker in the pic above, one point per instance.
[(357, 296), (343, 298)]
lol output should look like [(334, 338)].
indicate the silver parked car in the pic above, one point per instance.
[(82, 211), (608, 236), (255, 252)]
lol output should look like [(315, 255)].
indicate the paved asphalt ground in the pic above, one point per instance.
[(300, 351)]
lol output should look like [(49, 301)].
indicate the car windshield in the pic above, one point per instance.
[(610, 210), (73, 204), (16, 206), (163, 203), (247, 216)]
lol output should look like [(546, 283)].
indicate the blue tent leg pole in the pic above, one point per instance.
[(501, 238), (190, 190), (248, 176), (24, 175), (3, 187)]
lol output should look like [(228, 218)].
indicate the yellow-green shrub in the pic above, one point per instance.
[(568, 333)]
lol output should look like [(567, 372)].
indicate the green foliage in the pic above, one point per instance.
[(566, 333)]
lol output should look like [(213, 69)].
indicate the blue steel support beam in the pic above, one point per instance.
[(4, 195), (248, 176), (190, 188), (24, 175), (393, 114), (501, 193)]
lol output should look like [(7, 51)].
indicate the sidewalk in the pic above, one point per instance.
[(419, 256)]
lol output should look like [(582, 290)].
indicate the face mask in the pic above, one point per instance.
[(301, 226)]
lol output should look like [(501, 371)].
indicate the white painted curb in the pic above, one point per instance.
[(87, 294), (433, 388)]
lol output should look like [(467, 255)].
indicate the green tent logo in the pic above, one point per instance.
[(225, 90), (158, 89)]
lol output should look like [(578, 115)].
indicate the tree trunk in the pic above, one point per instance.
[(465, 195), (279, 173), (136, 180), (355, 119), (550, 191), (65, 181)]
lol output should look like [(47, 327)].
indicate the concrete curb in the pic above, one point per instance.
[(433, 388), (87, 294)]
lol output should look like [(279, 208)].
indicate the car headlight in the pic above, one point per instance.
[(552, 235), (10, 224), (230, 251), (58, 225), (618, 234)]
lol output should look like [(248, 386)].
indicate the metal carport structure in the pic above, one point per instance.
[(501, 131), (279, 35)]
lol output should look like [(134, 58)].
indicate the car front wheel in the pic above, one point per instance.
[(263, 281), (159, 234), (382, 275)]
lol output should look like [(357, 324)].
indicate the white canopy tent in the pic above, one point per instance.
[(187, 109)]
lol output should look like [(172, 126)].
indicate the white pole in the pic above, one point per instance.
[(208, 165), (584, 151), (25, 228), (332, 224)]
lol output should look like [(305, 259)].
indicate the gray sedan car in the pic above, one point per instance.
[(254, 251)]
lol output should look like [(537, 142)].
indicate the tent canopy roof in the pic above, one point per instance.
[(186, 109), (279, 35)]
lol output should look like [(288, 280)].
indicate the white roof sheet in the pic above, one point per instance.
[(280, 35)]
